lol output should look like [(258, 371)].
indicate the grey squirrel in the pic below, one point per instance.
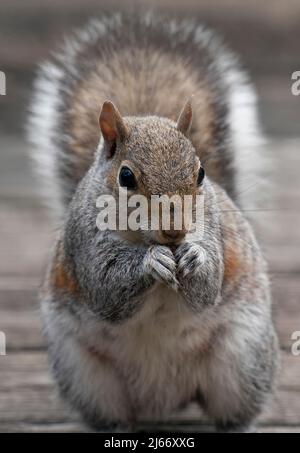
[(138, 324)]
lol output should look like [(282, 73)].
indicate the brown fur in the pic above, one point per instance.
[(238, 254), (161, 84), (61, 277), (232, 262)]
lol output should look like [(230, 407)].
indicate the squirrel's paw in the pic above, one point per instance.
[(160, 263), (189, 257)]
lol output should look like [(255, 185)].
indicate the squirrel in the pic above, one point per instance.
[(142, 323)]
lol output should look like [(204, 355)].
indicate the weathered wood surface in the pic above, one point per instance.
[(30, 30), (28, 400)]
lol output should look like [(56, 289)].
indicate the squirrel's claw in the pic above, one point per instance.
[(189, 257), (161, 264)]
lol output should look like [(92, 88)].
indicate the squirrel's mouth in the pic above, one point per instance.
[(170, 237)]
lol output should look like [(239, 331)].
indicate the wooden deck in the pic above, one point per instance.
[(28, 401), (267, 36)]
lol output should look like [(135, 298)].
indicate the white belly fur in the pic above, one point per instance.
[(159, 352)]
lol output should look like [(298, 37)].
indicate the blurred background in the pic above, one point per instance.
[(267, 37)]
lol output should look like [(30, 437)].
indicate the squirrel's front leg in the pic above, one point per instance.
[(199, 272), (118, 276), (160, 263)]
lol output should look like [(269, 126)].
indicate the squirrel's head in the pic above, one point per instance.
[(151, 157)]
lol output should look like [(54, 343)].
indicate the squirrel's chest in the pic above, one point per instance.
[(164, 328), (159, 352), (160, 323)]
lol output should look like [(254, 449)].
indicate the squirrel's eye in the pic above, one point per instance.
[(127, 178), (201, 175)]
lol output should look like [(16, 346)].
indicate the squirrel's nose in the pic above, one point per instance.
[(173, 235)]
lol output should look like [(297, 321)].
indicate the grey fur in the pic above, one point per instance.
[(138, 327)]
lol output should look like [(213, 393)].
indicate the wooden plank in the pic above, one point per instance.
[(286, 294), (279, 429), (22, 371), (27, 391), (284, 410), (63, 427), (289, 378), (25, 238), (27, 394), (34, 406), (80, 428), (279, 13), (20, 320)]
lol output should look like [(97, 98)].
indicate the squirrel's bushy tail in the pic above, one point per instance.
[(145, 66)]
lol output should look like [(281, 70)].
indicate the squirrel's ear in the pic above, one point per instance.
[(184, 121), (112, 127)]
